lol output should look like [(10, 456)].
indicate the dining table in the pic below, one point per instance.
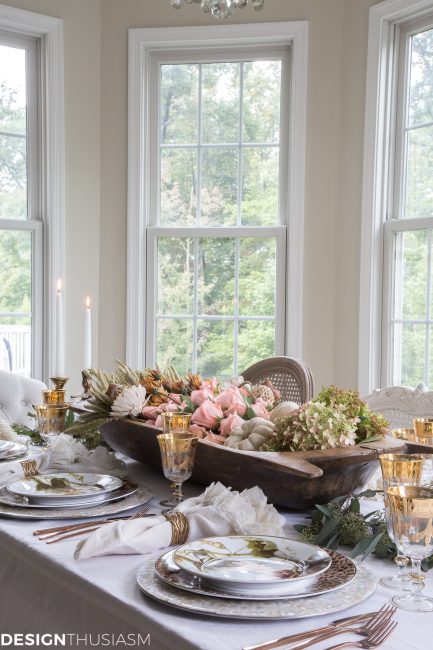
[(94, 602)]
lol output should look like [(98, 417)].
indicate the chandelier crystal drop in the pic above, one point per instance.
[(220, 9)]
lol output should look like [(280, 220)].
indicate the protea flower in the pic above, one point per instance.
[(129, 403)]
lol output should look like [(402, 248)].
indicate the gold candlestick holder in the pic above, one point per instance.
[(52, 412)]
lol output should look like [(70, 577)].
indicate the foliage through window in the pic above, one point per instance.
[(218, 240), (408, 235), (20, 236)]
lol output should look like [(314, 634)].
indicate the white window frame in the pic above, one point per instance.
[(142, 44), (51, 266), (377, 199)]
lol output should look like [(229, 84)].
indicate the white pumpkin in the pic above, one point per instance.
[(250, 435), (283, 409)]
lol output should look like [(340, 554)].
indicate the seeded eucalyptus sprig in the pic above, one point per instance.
[(340, 523)]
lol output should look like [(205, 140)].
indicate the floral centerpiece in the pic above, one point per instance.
[(215, 407), (232, 413)]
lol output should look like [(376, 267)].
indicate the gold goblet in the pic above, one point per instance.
[(174, 422), (423, 427), (411, 512), (398, 469), (177, 455)]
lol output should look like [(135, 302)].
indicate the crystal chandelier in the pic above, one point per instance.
[(221, 9)]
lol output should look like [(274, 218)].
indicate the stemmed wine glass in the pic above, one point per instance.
[(398, 469), (411, 513), (177, 454)]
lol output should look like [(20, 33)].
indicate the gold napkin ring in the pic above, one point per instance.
[(179, 528), (29, 467)]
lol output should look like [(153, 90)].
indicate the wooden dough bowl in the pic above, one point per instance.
[(295, 480)]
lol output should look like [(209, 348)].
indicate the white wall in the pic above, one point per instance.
[(96, 167)]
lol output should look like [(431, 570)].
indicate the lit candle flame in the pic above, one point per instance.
[(59, 285), (88, 302)]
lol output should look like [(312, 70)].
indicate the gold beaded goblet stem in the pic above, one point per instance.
[(411, 512), (177, 455), (398, 469)]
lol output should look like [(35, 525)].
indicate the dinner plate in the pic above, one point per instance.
[(61, 488), (361, 588), (341, 572), (252, 563), (140, 497), (10, 499)]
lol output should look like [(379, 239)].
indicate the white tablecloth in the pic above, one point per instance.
[(44, 590)]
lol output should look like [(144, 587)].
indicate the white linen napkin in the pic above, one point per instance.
[(15, 469), (218, 511), (6, 431)]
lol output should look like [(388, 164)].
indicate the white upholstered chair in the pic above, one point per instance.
[(17, 396), (400, 404)]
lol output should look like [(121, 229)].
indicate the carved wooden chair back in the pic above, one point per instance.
[(400, 404)]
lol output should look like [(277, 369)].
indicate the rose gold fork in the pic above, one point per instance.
[(372, 618), (373, 641), (382, 618), (142, 512)]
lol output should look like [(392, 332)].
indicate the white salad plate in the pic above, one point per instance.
[(64, 488), (259, 564), (141, 496), (341, 572), (9, 499)]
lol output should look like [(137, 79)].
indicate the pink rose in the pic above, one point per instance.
[(199, 396), (150, 412), (207, 415), (231, 401), (210, 385), (200, 432), (259, 408), (214, 437), (229, 423), (174, 397)]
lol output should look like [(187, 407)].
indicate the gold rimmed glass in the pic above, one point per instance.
[(423, 427), (51, 420), (177, 455), (399, 469), (177, 422), (411, 513)]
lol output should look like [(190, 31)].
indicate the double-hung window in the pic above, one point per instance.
[(20, 225), (216, 146), (408, 332), (396, 305), (216, 248)]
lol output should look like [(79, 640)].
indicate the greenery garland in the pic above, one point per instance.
[(90, 437), (341, 523)]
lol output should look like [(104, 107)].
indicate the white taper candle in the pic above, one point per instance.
[(88, 336), (60, 332)]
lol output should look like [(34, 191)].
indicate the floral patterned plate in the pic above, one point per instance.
[(65, 487), (259, 564), (341, 572), (139, 498), (9, 499), (361, 588)]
